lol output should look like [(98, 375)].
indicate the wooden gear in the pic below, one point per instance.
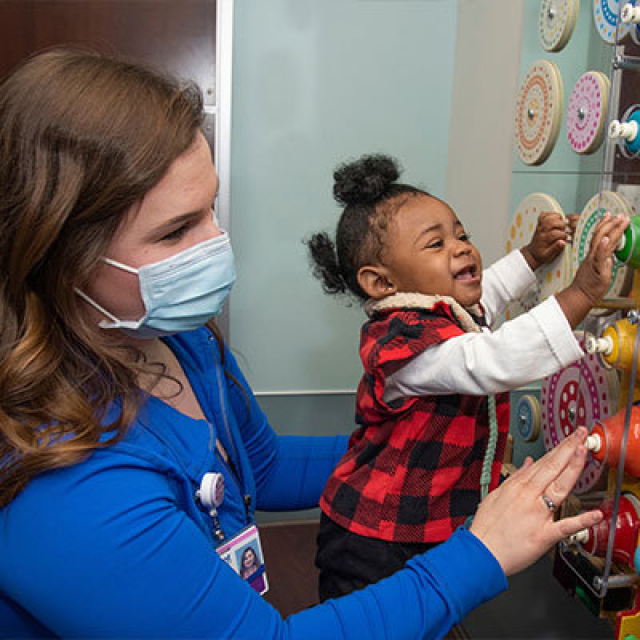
[(538, 112), (577, 395), (587, 112), (556, 22), (592, 213), (528, 418), (550, 278), (605, 17)]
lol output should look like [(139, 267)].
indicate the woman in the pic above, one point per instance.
[(123, 415), (250, 563)]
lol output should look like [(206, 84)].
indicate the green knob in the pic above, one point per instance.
[(628, 251), (587, 600)]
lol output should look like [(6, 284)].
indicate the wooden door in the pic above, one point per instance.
[(190, 39), (177, 36)]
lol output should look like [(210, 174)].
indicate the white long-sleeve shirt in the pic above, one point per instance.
[(528, 348)]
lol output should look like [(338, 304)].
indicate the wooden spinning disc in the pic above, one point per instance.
[(538, 112), (550, 278), (593, 211), (587, 112), (605, 16), (578, 395), (528, 417), (556, 22)]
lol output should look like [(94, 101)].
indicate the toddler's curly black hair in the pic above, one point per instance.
[(369, 191)]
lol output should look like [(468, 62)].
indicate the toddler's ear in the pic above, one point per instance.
[(375, 281)]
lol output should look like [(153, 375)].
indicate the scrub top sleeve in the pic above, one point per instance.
[(121, 559), (300, 471), (435, 591)]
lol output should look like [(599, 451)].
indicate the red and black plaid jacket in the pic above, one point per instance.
[(412, 470)]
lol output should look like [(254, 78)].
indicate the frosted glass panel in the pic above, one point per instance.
[(315, 83)]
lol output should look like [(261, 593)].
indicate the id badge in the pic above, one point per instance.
[(243, 553)]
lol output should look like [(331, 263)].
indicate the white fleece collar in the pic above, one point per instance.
[(422, 301)]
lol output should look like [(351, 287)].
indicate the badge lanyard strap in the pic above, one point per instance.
[(218, 531), (235, 457)]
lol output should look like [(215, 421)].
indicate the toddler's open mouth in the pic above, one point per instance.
[(468, 273)]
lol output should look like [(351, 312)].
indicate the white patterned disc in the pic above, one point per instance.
[(578, 395), (556, 21), (587, 112), (593, 211), (605, 17), (550, 278), (538, 112)]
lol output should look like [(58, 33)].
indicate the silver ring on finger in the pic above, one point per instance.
[(549, 503)]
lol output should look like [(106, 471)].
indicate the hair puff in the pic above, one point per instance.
[(365, 180)]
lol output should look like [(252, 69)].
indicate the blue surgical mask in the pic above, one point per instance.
[(180, 293)]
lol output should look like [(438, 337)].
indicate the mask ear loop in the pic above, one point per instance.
[(116, 322), (120, 265), (101, 309)]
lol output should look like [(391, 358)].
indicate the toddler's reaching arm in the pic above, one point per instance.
[(532, 346), (510, 277)]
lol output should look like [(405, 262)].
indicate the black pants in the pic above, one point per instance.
[(348, 561)]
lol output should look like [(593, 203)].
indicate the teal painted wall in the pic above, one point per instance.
[(316, 82)]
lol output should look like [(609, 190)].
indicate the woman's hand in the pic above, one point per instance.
[(515, 521)]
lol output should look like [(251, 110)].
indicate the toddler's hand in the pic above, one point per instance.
[(593, 276), (572, 223), (594, 273), (548, 241)]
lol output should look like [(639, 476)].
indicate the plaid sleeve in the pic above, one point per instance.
[(388, 342)]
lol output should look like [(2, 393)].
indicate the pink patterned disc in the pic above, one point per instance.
[(577, 395), (587, 112)]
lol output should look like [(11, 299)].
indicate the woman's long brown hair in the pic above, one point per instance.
[(82, 139)]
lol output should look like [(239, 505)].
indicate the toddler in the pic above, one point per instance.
[(432, 403)]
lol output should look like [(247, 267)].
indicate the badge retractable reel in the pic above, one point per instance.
[(210, 495)]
